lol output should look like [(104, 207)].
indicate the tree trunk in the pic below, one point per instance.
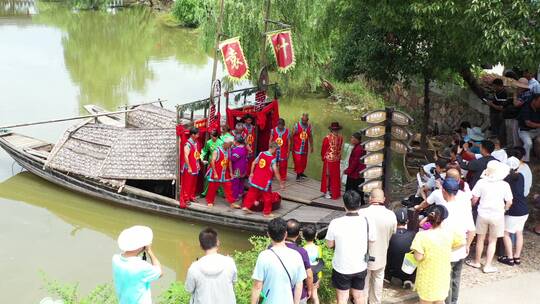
[(469, 78), (427, 109)]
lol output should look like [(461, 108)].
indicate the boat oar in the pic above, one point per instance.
[(64, 119)]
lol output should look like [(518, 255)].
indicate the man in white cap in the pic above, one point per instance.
[(133, 274), (495, 197)]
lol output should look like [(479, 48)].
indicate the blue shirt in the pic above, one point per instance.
[(132, 277), (276, 283)]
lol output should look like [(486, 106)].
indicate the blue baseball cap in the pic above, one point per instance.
[(451, 185)]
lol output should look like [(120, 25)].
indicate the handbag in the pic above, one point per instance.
[(409, 263)]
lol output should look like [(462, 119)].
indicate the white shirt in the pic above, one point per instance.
[(349, 234), (460, 220), (436, 197), (385, 225), (525, 170), (534, 86), (493, 196)]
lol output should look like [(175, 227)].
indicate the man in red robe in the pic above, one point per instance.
[(260, 181), (190, 169), (331, 156), (220, 174), (281, 136), (301, 143), (355, 166)]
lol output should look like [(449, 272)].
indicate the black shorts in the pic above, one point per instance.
[(348, 281)]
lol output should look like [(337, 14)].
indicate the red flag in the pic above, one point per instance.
[(233, 58), (283, 49)]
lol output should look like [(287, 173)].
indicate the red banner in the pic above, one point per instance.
[(233, 58), (283, 49)]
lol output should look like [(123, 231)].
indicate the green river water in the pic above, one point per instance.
[(52, 63)]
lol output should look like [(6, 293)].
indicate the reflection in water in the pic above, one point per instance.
[(109, 55), (175, 240), (17, 8)]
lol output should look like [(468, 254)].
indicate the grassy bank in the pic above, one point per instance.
[(175, 293)]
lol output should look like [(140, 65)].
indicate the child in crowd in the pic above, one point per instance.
[(309, 233), (239, 166)]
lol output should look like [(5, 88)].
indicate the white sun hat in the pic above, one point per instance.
[(495, 171), (134, 238), (513, 163)]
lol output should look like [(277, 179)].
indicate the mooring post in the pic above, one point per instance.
[(387, 167)]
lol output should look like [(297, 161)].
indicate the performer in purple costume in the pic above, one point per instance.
[(239, 166)]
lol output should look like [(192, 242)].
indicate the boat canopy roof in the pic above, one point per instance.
[(113, 154)]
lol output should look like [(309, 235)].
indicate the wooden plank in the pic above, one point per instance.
[(38, 153), (223, 208), (309, 214), (329, 203), (299, 193), (21, 141)]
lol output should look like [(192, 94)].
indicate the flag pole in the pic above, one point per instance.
[(215, 50), (266, 20)]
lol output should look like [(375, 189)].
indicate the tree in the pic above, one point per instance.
[(311, 34), (411, 39)]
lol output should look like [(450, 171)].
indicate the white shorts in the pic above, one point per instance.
[(513, 224)]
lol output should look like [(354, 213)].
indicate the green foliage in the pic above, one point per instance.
[(176, 293), (312, 36), (69, 293), (357, 93), (189, 12), (404, 39)]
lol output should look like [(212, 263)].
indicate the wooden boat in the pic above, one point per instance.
[(86, 159)]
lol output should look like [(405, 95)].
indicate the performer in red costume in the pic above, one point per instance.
[(260, 181), (220, 173), (301, 142), (251, 138), (190, 170), (331, 156), (281, 136)]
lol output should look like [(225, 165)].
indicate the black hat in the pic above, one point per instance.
[(401, 215)]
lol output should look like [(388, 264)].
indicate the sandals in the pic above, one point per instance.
[(517, 261), (473, 264), (505, 260)]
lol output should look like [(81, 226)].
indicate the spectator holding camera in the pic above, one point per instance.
[(349, 235), (133, 274), (384, 224)]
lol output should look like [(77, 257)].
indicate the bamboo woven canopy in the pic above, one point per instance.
[(113, 155)]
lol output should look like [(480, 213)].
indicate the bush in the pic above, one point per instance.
[(189, 12), (176, 293)]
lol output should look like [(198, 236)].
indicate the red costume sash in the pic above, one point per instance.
[(263, 172), (249, 135), (300, 138), (221, 165), (193, 157), (332, 151), (282, 139)]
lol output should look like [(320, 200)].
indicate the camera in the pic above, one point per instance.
[(369, 258)]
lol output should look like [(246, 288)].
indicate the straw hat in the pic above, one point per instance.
[(134, 238), (513, 163), (522, 83), (495, 171), (475, 134)]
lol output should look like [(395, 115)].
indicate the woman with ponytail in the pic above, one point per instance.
[(432, 249)]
